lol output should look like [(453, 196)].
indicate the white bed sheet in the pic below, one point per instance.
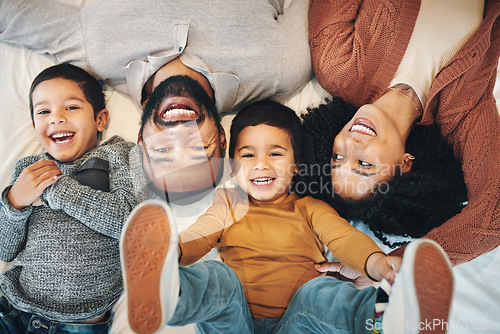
[(476, 305)]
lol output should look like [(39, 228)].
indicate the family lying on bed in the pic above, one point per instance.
[(83, 218), (375, 151)]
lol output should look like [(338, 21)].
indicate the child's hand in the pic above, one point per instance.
[(31, 183), (38, 202), (380, 266), (345, 273)]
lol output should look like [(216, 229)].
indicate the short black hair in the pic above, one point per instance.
[(269, 113), (90, 86), (410, 204)]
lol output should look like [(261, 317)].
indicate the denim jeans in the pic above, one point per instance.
[(211, 295), (327, 305), (17, 322)]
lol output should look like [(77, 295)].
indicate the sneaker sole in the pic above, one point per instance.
[(434, 289), (145, 246)]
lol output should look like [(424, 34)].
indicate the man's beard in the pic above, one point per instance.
[(179, 86)]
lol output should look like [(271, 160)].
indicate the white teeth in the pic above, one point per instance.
[(179, 112), (262, 181), (60, 135), (362, 128)]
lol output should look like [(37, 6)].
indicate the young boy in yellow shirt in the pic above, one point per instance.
[(267, 235)]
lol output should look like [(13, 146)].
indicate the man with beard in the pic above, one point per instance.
[(182, 143), (238, 52), (234, 52)]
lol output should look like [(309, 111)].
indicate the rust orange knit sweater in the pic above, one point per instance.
[(356, 47)]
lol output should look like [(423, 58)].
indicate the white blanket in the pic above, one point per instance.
[(476, 306)]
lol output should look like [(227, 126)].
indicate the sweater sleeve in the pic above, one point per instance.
[(475, 230), (467, 115), (13, 227), (47, 26), (104, 212), (356, 46), (13, 222), (203, 235), (350, 246)]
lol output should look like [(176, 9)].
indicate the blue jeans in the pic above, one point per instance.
[(327, 305), (17, 322), (211, 295)]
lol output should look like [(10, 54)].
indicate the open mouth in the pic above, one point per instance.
[(179, 112), (62, 137), (363, 126), (262, 181)]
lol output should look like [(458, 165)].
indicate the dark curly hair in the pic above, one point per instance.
[(410, 204)]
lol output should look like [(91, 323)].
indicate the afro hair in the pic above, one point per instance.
[(410, 204)]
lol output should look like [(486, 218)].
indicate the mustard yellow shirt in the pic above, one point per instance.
[(273, 247)]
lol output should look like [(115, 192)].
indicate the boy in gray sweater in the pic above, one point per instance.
[(62, 214)]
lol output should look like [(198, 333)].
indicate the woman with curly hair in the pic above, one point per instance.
[(406, 204), (409, 67)]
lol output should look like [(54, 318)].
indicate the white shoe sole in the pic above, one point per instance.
[(433, 280), (144, 245), (420, 299)]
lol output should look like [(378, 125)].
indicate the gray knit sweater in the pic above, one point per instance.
[(66, 263)]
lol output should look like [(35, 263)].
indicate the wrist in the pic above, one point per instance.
[(370, 266), (13, 201)]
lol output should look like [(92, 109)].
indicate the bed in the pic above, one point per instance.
[(476, 306)]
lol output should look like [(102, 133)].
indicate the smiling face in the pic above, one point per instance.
[(64, 120), (366, 152), (183, 145), (184, 157), (264, 162)]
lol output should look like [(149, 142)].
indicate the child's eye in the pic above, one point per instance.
[(247, 155), (73, 107), (200, 148), (42, 112), (276, 154)]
